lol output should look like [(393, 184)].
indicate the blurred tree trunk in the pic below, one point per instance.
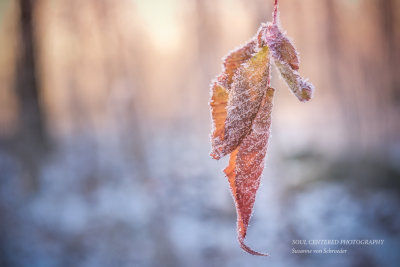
[(388, 18), (32, 138), (27, 87), (348, 109), (388, 22)]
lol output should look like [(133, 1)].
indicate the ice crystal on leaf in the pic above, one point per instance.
[(241, 105)]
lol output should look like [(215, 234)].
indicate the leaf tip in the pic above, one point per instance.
[(249, 250)]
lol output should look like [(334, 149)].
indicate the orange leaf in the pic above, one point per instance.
[(219, 95), (233, 61), (244, 98), (219, 100), (246, 165)]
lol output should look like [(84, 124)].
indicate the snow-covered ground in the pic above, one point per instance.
[(95, 207)]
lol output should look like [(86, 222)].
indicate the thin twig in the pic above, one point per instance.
[(275, 12)]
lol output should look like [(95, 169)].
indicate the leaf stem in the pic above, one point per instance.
[(275, 12)]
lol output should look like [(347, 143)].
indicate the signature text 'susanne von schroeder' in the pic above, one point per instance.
[(334, 243)]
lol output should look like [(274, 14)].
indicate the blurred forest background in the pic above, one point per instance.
[(104, 125)]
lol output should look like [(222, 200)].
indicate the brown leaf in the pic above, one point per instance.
[(300, 87), (286, 60), (246, 165), (219, 95), (281, 47), (244, 99), (233, 61)]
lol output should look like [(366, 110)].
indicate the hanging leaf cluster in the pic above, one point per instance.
[(241, 105)]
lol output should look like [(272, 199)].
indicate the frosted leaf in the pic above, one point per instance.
[(281, 47), (246, 165), (286, 59), (235, 58), (247, 89), (241, 104), (219, 95), (218, 103), (300, 87)]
